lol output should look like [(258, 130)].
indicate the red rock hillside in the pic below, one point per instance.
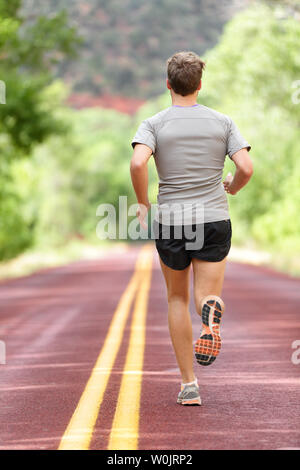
[(122, 104)]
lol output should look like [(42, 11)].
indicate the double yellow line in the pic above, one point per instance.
[(124, 432)]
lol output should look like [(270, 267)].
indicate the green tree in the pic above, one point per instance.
[(76, 172), (29, 47)]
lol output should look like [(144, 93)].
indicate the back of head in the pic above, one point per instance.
[(184, 72)]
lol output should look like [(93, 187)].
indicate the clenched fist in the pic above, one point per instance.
[(227, 182)]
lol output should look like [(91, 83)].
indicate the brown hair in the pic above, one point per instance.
[(185, 72)]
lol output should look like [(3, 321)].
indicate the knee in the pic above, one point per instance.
[(215, 298), (178, 297)]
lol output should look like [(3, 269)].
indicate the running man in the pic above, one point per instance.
[(192, 227)]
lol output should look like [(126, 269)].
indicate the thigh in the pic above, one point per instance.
[(170, 245), (177, 281), (208, 278)]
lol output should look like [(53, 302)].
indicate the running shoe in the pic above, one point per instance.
[(189, 395), (208, 346)]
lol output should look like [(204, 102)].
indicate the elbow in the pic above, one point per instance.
[(247, 170), (135, 167)]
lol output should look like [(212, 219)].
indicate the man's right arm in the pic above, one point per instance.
[(243, 172)]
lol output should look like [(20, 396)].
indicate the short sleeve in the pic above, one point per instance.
[(235, 141), (145, 135)]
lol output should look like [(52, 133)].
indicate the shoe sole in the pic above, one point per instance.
[(208, 346), (193, 401)]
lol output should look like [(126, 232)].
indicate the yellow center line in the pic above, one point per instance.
[(80, 428), (125, 429)]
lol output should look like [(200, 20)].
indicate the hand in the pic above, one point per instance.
[(227, 183), (141, 213)]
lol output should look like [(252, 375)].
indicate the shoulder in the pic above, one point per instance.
[(158, 118), (213, 114)]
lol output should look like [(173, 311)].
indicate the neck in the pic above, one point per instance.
[(178, 100)]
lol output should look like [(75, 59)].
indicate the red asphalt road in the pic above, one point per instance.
[(54, 323)]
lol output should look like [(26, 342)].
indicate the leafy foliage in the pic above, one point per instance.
[(75, 173), (27, 52)]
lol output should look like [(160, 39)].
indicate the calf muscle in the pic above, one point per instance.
[(208, 280)]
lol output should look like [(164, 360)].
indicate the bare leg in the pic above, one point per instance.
[(208, 280), (208, 283), (180, 325)]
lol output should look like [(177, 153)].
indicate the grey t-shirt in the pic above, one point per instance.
[(189, 145)]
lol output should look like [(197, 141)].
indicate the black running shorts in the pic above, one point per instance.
[(177, 245)]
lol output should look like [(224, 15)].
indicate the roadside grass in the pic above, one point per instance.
[(35, 259), (284, 259), (39, 258)]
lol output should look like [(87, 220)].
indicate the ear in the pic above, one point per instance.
[(168, 84), (200, 85)]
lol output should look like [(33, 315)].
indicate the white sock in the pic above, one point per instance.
[(195, 382)]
